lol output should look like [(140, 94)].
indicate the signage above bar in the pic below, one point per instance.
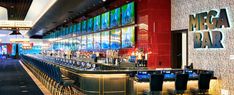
[(8, 24), (203, 24), (18, 28)]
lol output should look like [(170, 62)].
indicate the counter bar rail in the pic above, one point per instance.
[(81, 67), (87, 74)]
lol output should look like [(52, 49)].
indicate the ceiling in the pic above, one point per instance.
[(17, 9), (63, 11)]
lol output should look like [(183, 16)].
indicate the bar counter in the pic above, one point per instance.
[(121, 80)]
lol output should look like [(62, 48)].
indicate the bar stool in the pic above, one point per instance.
[(181, 81), (156, 84), (203, 84)]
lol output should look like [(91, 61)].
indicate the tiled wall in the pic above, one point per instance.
[(210, 59)]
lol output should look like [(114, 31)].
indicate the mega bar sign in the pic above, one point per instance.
[(207, 28)]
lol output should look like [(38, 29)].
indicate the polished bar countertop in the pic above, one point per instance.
[(137, 73)]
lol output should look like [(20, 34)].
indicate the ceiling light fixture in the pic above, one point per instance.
[(15, 32)]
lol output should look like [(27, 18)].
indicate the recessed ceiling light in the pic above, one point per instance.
[(24, 91)]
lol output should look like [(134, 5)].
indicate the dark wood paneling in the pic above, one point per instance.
[(17, 9)]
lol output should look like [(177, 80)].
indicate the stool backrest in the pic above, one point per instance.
[(181, 81), (204, 81), (156, 82)]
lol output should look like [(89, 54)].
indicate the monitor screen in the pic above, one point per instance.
[(63, 31), (128, 14), (128, 37), (97, 23), (90, 25), (73, 44), (20, 48), (78, 28), (115, 18), (79, 42), (84, 26), (105, 40), (115, 39), (97, 41), (143, 76), (13, 49), (169, 75), (66, 44), (90, 41), (105, 20), (3, 49), (70, 29), (67, 30), (83, 42), (74, 28)]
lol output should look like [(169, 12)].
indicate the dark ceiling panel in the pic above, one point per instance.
[(17, 9), (64, 10)]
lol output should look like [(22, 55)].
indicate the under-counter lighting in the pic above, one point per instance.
[(104, 75)]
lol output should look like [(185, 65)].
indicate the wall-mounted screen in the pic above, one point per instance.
[(105, 40), (97, 41), (115, 18), (97, 23), (67, 30), (90, 41), (70, 29), (79, 43), (83, 42), (3, 49), (63, 31), (13, 49), (128, 37), (115, 39), (74, 28), (105, 20), (128, 14), (90, 25), (78, 28), (73, 44), (67, 44), (84, 26)]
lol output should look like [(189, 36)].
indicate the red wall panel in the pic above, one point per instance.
[(156, 37)]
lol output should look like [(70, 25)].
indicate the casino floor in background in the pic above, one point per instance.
[(14, 80)]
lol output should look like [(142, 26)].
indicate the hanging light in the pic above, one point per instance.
[(15, 32)]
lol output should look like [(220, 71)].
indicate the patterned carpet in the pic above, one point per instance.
[(14, 80)]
